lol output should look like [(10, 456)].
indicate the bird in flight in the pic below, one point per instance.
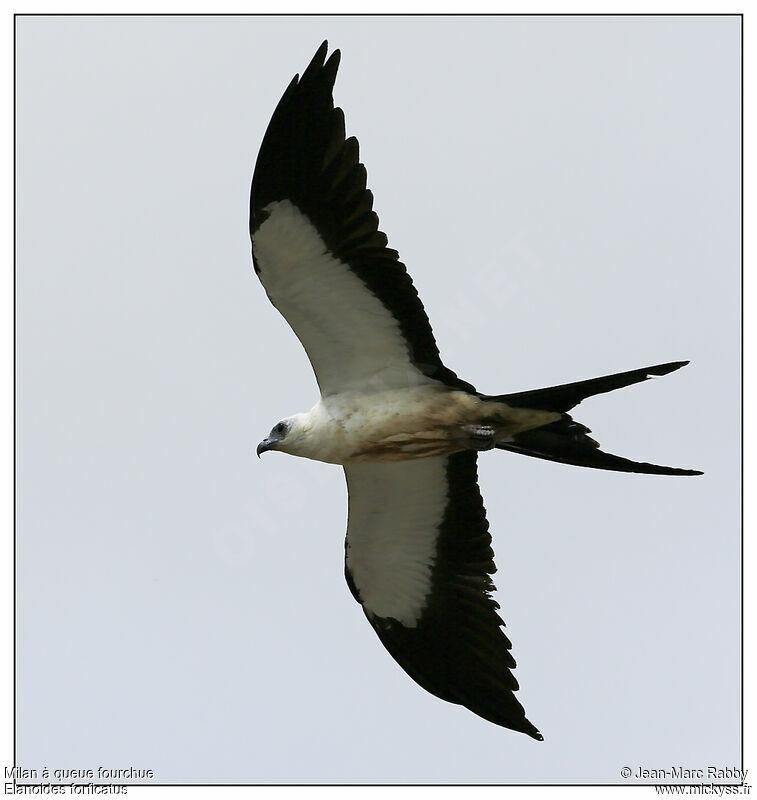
[(406, 429)]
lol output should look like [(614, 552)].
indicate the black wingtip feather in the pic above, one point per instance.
[(332, 65), (319, 67), (318, 59), (532, 731)]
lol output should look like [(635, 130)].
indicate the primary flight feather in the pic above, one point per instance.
[(406, 429)]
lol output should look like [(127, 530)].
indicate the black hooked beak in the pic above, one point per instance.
[(266, 444)]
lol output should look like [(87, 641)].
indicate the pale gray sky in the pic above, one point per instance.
[(565, 194)]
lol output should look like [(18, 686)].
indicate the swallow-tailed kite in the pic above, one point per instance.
[(406, 429)]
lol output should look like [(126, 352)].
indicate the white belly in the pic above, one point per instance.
[(404, 424)]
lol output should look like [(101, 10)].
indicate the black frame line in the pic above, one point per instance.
[(19, 16)]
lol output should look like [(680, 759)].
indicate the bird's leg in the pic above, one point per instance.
[(480, 437)]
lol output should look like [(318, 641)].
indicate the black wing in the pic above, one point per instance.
[(320, 255), (418, 559)]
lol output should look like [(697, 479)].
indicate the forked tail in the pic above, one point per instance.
[(566, 440)]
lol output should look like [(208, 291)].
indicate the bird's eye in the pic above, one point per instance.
[(280, 428)]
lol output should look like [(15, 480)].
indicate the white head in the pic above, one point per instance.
[(288, 436)]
